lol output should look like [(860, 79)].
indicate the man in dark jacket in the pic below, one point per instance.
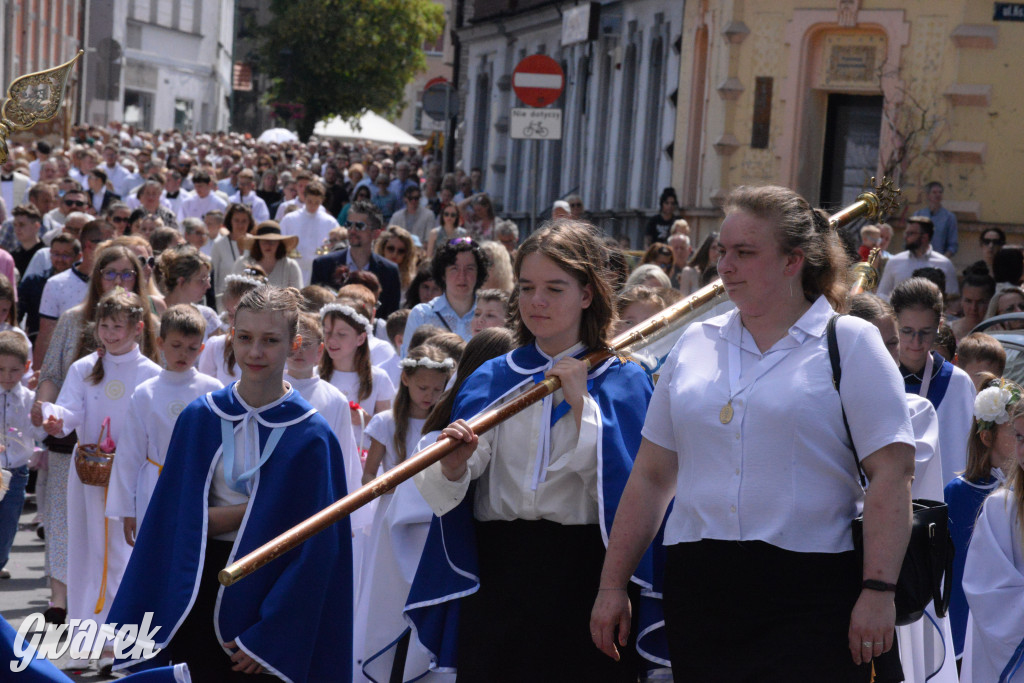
[(364, 225)]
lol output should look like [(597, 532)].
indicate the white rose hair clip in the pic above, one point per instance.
[(348, 312), (992, 405)]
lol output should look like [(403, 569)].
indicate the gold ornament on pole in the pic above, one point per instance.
[(33, 98)]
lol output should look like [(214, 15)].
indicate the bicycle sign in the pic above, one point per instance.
[(535, 124)]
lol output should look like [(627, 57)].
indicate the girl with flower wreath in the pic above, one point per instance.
[(993, 578), (990, 453)]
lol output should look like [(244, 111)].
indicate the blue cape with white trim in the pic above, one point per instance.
[(293, 615), (964, 499), (940, 381), (448, 567)]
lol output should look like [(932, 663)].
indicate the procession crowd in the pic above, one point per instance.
[(207, 339)]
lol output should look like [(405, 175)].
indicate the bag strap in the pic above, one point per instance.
[(443, 321), (837, 374)]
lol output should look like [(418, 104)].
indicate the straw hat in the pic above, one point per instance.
[(270, 231)]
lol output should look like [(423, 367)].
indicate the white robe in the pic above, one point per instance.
[(926, 646), (330, 402), (399, 534), (956, 414), (94, 544), (994, 585), (384, 356), (383, 390), (141, 451), (211, 361)]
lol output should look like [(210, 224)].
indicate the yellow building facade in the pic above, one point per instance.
[(819, 96)]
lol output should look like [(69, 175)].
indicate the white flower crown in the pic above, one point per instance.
[(244, 279), (446, 364), (991, 405), (347, 311)]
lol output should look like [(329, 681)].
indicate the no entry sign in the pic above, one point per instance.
[(538, 80)]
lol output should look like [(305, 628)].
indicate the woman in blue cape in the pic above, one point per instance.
[(511, 565), (245, 464)]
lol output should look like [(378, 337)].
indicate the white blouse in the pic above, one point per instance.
[(780, 470), (504, 465)]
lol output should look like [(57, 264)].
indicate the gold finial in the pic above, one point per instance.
[(33, 98)]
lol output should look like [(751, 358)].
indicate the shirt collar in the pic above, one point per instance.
[(811, 324)]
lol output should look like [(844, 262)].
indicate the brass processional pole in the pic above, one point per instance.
[(33, 98), (657, 327)]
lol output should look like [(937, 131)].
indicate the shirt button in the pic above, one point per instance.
[(737, 436), (733, 508), (737, 471)]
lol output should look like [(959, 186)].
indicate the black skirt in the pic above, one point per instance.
[(195, 642), (750, 611), (530, 620)]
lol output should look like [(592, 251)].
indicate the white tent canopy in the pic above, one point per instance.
[(277, 135), (369, 127)]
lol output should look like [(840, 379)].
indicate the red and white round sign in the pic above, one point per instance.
[(538, 80)]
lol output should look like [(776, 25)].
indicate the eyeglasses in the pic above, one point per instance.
[(415, 198), (122, 275), (74, 202), (394, 250), (994, 242), (925, 336), (358, 226), (451, 214), (119, 219)]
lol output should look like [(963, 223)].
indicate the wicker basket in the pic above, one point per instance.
[(93, 465)]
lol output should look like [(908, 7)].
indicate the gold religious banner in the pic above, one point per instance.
[(33, 98)]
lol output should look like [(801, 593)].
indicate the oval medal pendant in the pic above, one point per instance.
[(725, 416)]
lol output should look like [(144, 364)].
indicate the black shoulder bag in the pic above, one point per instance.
[(927, 572)]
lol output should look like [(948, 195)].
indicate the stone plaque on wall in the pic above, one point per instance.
[(851, 61)]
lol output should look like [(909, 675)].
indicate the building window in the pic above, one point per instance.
[(138, 109), (651, 158), (184, 115), (761, 129), (627, 128), (133, 36), (481, 119)]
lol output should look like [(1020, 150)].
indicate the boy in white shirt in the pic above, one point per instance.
[(152, 413), (16, 439)]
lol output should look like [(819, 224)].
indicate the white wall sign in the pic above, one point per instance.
[(526, 123)]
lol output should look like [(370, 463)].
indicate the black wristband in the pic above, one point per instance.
[(876, 585)]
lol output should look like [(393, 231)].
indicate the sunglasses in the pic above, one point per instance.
[(460, 240), (358, 226), (119, 219), (122, 275), (994, 242), (576, 205), (415, 198), (73, 202), (451, 214), (394, 250)]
